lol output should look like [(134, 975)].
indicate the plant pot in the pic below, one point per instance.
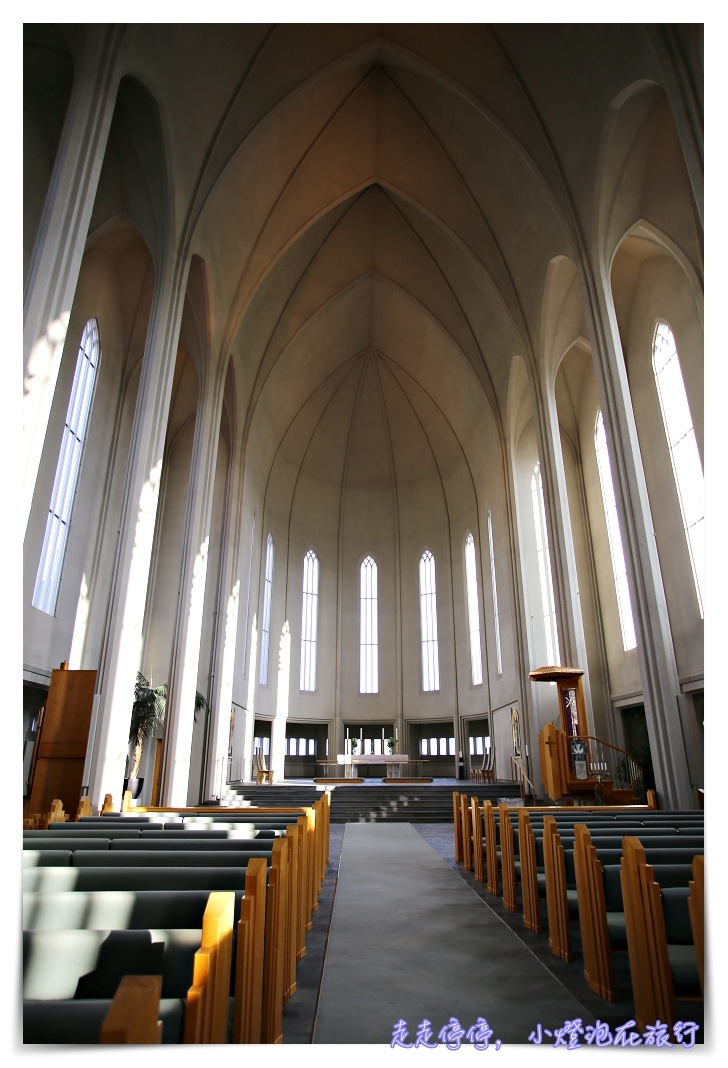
[(135, 785)]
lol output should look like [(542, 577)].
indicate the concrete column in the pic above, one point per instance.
[(122, 647), (229, 597), (572, 641), (663, 700), (188, 627), (56, 260)]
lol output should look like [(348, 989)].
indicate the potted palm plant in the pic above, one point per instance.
[(147, 716)]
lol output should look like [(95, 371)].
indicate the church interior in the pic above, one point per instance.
[(348, 353), (363, 421)]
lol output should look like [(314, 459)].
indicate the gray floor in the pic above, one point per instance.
[(410, 941), (468, 921)]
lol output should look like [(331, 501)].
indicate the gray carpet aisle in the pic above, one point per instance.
[(409, 940)]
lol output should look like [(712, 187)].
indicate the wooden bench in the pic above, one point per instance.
[(661, 938), (502, 832), (542, 869), (305, 831), (262, 932), (134, 1016), (194, 963), (601, 903)]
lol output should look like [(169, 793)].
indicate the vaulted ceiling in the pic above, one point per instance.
[(376, 208)]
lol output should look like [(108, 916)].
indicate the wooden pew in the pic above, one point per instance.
[(57, 962), (507, 854), (660, 953), (147, 908), (542, 868), (601, 906), (307, 831), (131, 1017)]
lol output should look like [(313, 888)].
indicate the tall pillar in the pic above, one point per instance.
[(572, 640), (664, 704), (225, 637), (62, 232), (188, 625), (123, 638)]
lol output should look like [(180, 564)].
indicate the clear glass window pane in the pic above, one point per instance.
[(368, 632), (496, 621), (309, 622), (428, 624), (267, 595), (683, 447), (476, 662), (50, 565)]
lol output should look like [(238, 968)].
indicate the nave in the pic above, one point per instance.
[(427, 942)]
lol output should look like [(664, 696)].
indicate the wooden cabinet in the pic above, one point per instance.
[(61, 740)]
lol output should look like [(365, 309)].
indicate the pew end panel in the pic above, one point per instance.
[(696, 903), (457, 827), (652, 949), (491, 849), (133, 1018), (557, 904)]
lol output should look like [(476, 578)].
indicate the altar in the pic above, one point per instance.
[(394, 765)]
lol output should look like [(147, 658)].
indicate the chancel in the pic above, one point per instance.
[(363, 397)]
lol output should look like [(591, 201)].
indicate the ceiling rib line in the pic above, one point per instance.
[(288, 182), (330, 302)]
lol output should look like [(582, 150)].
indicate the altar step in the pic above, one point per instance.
[(373, 802)]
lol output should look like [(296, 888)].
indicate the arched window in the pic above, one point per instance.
[(476, 662), (428, 623), (48, 578), (619, 567), (265, 621), (309, 621), (368, 629), (548, 603), (496, 620), (683, 447)]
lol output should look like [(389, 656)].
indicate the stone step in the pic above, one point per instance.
[(374, 801)]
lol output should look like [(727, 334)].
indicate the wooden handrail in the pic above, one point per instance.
[(522, 777)]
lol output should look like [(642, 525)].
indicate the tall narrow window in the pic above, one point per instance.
[(619, 567), (544, 568), (496, 620), (368, 629), (476, 662), (428, 623), (683, 446), (265, 628), (48, 578), (309, 621)]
